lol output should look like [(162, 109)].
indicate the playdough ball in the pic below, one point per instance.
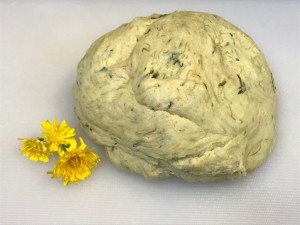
[(185, 94)]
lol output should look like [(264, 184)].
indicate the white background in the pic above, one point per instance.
[(41, 43)]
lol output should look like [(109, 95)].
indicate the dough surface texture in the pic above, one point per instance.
[(185, 94)]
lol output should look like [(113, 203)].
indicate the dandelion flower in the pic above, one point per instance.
[(75, 164), (35, 149), (59, 136)]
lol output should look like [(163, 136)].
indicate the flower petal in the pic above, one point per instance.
[(75, 164), (35, 149)]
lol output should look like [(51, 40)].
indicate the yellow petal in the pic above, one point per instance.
[(57, 135), (35, 149), (73, 144), (82, 144), (75, 165)]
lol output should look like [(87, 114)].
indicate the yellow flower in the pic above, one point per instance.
[(59, 136), (75, 164), (35, 149)]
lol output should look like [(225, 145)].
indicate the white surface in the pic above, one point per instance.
[(40, 46)]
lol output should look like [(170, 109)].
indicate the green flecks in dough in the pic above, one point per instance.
[(222, 83), (108, 52), (155, 75), (147, 31), (158, 16), (175, 59), (144, 77), (86, 125), (214, 49), (145, 49), (151, 74), (103, 69), (272, 82), (242, 87), (169, 105)]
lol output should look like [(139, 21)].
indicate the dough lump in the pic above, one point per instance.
[(185, 94)]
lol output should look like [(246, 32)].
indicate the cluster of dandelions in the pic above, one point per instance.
[(74, 163)]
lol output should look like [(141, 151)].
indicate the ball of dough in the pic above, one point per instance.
[(185, 94)]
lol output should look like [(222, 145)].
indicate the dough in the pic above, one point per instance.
[(185, 94)]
